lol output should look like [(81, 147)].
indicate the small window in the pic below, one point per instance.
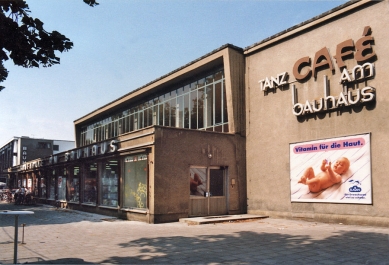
[(56, 147), (44, 145)]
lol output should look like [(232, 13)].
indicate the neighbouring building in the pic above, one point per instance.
[(317, 92), (19, 150), (293, 126)]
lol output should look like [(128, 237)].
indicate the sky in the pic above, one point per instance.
[(121, 45)]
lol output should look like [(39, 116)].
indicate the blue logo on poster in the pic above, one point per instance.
[(355, 189)]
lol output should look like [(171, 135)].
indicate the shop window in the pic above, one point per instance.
[(61, 182), (109, 183), (135, 181), (74, 193), (43, 187), (62, 188), (90, 189), (52, 188)]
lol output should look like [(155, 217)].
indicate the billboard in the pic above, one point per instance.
[(336, 170)]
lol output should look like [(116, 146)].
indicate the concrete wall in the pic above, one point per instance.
[(271, 125), (176, 150)]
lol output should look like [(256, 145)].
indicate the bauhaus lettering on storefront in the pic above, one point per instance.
[(293, 126)]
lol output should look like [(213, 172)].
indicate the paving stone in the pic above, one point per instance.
[(71, 237)]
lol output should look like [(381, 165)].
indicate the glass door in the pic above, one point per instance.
[(207, 191)]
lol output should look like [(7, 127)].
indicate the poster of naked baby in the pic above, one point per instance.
[(336, 170)]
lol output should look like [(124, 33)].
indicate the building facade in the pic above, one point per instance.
[(170, 149), (323, 97), (293, 126), (19, 150)]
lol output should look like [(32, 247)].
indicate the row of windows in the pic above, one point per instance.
[(96, 183), (198, 105)]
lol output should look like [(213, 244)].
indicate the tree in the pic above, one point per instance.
[(24, 40)]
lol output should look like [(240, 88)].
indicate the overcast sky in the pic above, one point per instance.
[(121, 45)]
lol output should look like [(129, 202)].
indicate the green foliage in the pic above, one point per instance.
[(24, 40), (91, 2)]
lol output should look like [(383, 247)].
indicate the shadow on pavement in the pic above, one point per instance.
[(248, 247), (45, 214), (57, 261)]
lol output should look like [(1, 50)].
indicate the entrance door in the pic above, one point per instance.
[(208, 191)]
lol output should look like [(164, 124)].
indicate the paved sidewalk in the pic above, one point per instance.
[(63, 236)]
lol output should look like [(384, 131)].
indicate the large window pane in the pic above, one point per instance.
[(200, 108), (166, 121), (198, 181), (74, 193), (225, 116), (160, 114), (43, 188), (218, 103), (141, 119), (180, 112), (216, 182), (109, 183), (193, 107), (209, 109), (173, 112), (52, 187), (62, 188), (90, 188), (135, 181), (186, 110)]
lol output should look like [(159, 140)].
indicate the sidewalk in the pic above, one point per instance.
[(70, 237)]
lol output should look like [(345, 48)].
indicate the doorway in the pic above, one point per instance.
[(208, 191)]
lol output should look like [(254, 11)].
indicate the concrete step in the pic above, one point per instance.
[(221, 219)]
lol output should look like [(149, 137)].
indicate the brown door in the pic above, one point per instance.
[(208, 191)]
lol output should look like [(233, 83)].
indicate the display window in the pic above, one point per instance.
[(90, 183), (43, 188), (109, 183), (135, 181), (62, 185), (52, 184), (74, 192)]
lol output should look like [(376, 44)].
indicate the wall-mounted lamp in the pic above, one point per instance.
[(232, 182), (209, 155)]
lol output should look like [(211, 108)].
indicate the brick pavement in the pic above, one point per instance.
[(63, 237)]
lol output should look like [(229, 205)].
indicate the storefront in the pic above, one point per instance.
[(173, 148), (321, 101)]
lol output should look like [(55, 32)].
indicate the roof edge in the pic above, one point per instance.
[(306, 24), (228, 45)]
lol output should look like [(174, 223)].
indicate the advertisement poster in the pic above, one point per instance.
[(198, 182), (336, 170)]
